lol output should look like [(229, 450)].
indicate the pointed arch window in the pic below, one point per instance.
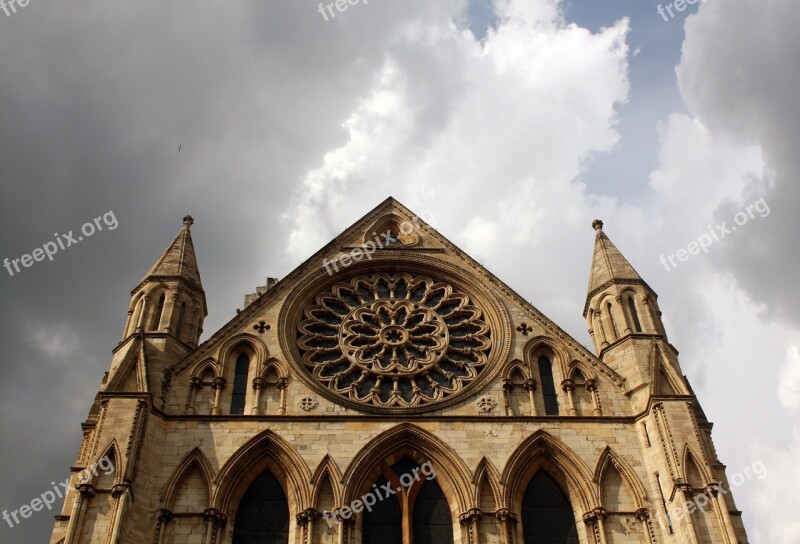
[(634, 314), (548, 386), (157, 314), (547, 516), (240, 384), (418, 512), (263, 514)]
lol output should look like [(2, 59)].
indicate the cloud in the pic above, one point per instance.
[(789, 380)]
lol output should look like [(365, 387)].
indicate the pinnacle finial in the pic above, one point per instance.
[(597, 224), (188, 220)]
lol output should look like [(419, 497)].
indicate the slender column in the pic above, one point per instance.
[(258, 385), (164, 517), (169, 305), (193, 331), (214, 520), (142, 313), (569, 386), (626, 318), (119, 492), (217, 385), (718, 501), (530, 387), (687, 512), (595, 524), (650, 312), (85, 492), (282, 384), (508, 385), (195, 383), (643, 515), (508, 521), (600, 327), (591, 387), (469, 520)]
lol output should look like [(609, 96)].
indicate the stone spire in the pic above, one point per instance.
[(178, 262), (608, 265)]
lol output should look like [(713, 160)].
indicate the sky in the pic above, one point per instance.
[(512, 124)]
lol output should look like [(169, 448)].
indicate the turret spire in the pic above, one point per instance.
[(608, 265)]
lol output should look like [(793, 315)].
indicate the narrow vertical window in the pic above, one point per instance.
[(240, 384), (157, 315), (548, 387), (432, 521), (646, 434), (664, 504), (384, 523), (634, 315)]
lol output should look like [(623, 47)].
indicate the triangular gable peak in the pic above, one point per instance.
[(365, 241)]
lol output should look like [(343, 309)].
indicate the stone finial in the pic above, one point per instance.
[(597, 224), (188, 220)]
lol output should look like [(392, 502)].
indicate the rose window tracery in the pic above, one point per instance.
[(394, 341)]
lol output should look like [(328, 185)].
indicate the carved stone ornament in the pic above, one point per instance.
[(394, 341), (307, 403), (486, 404)]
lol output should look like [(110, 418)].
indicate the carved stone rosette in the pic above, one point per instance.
[(394, 341)]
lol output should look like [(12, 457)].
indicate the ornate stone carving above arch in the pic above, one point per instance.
[(541, 450), (264, 451), (407, 440)]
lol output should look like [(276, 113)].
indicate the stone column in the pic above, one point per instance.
[(569, 386), (643, 515), (218, 384), (723, 514), (195, 383), (508, 385), (530, 387), (258, 385), (469, 520), (119, 492), (591, 387), (214, 521), (163, 517), (508, 521), (595, 525), (85, 492), (688, 495), (625, 317), (282, 384)]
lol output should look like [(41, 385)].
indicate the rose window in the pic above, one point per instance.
[(394, 341)]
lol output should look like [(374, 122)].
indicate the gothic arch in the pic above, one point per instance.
[(558, 354), (515, 366), (585, 370), (266, 450), (541, 450), (691, 459), (399, 228), (273, 364), (409, 440), (112, 452), (635, 487), (327, 467), (195, 460), (486, 475), (244, 339), (206, 365)]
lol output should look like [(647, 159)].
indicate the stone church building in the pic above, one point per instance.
[(391, 390)]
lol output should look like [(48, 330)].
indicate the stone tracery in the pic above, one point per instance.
[(394, 341)]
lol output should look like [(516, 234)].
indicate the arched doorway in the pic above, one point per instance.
[(263, 514), (417, 512), (547, 516)]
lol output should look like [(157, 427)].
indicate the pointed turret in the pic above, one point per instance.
[(170, 299), (178, 260), (622, 314)]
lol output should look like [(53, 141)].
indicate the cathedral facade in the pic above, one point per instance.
[(391, 390)]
